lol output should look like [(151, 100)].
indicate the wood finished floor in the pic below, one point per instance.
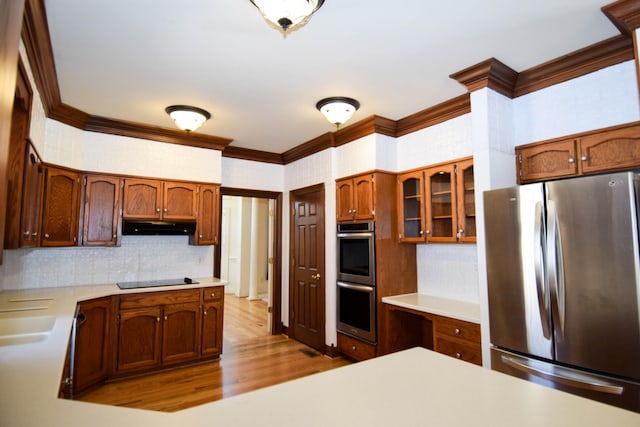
[(251, 359)]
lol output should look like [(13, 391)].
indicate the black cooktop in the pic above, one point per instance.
[(155, 283)]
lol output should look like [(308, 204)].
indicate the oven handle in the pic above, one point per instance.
[(356, 235), (361, 288)]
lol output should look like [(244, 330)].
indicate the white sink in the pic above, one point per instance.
[(23, 330)]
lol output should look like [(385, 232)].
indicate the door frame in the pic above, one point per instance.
[(276, 308), (292, 198)]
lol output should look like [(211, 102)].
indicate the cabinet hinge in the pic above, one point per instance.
[(455, 170), (270, 260), (373, 212), (520, 172), (520, 158), (84, 181), (269, 310)]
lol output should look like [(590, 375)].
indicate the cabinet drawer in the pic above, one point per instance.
[(213, 293), (469, 352), (355, 349), (457, 328), (150, 299)]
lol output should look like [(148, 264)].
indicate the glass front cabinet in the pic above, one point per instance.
[(437, 204)]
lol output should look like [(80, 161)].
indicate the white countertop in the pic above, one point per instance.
[(460, 310), (416, 387)]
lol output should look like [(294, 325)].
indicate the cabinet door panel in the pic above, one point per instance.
[(344, 200), (139, 337), (92, 339), (212, 318), (363, 202), (60, 208), (465, 197), (31, 196), (101, 211), (440, 190), (180, 201), (180, 332), (616, 149), (411, 207), (142, 199), (208, 215), (545, 161)]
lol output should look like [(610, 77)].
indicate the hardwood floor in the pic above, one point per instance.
[(252, 358)]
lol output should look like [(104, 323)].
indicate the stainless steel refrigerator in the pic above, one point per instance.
[(563, 272)]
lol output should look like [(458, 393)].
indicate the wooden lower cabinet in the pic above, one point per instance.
[(354, 348), (457, 338), (135, 333)]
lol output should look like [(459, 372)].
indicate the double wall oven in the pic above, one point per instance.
[(356, 280)]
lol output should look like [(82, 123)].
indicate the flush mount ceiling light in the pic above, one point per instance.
[(338, 109), (287, 15), (186, 117)]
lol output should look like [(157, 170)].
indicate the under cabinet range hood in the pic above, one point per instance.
[(157, 228)]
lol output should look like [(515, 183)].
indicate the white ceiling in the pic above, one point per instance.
[(128, 60)]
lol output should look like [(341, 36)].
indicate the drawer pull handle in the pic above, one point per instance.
[(213, 294), (458, 355), (353, 347), (205, 312), (458, 331)]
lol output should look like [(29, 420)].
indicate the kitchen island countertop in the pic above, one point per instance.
[(416, 387)]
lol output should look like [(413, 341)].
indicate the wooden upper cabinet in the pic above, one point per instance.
[(60, 207), (101, 210), (142, 199), (437, 204), (208, 215), (549, 160), (610, 149), (179, 201), (411, 207), (355, 198), (149, 199)]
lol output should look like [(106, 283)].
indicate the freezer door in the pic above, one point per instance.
[(613, 391), (593, 277), (518, 304)]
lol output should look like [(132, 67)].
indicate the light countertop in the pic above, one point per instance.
[(460, 310), (415, 387)]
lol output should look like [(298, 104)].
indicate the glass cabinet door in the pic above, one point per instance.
[(410, 207), (466, 202), (441, 224)]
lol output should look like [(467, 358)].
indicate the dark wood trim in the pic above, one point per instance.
[(579, 63), (489, 73), (315, 145), (364, 127), (277, 326), (254, 155), (447, 110), (625, 15)]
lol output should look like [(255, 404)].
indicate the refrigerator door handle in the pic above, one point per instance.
[(555, 269), (538, 259), (563, 376)]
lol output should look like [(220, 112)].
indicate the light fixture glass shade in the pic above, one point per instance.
[(338, 109), (186, 117), (287, 15)]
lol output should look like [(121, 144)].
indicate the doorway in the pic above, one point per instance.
[(249, 254), (306, 278)]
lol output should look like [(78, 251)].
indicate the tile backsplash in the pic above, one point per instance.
[(138, 258)]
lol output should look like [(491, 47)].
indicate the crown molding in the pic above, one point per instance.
[(447, 110), (625, 15), (310, 147), (370, 125), (489, 73), (254, 155), (579, 63)]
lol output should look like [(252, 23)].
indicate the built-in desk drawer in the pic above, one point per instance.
[(457, 338), (469, 352), (457, 328)]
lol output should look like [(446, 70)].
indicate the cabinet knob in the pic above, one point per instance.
[(34, 234), (157, 209), (46, 235), (213, 294), (458, 355), (428, 232), (584, 158), (353, 347), (115, 235), (26, 233), (457, 331), (200, 236), (165, 209), (166, 318), (204, 312), (571, 160), (421, 232), (158, 319)]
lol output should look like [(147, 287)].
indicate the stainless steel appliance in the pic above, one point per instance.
[(563, 277), (356, 292)]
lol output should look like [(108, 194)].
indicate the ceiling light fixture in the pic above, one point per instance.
[(337, 109), (186, 117), (287, 15)]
